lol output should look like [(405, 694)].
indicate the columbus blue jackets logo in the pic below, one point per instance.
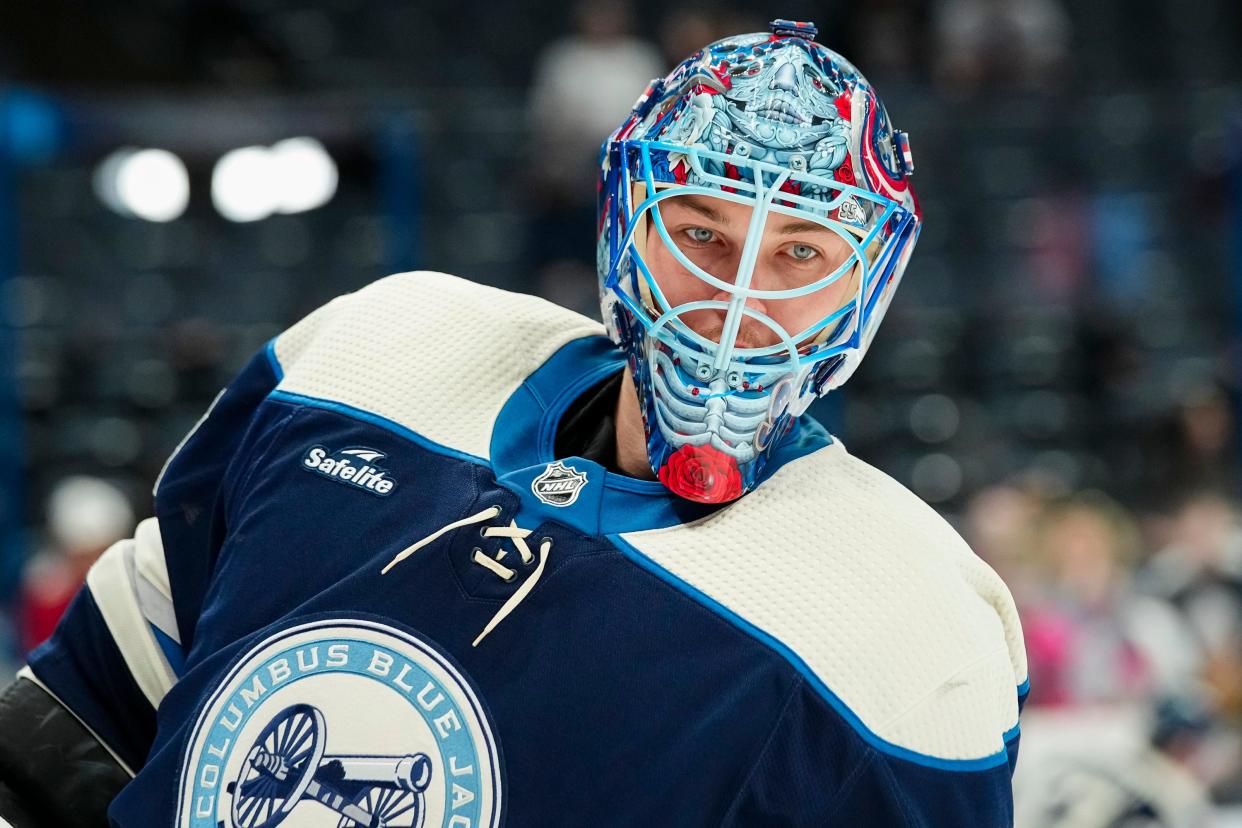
[(558, 485), (341, 723), (355, 467)]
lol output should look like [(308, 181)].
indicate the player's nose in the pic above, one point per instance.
[(751, 333), (752, 302)]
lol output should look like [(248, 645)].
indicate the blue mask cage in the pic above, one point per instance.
[(758, 188)]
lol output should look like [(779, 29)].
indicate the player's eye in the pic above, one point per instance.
[(700, 235), (803, 252)]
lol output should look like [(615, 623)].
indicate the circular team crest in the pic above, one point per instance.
[(340, 723)]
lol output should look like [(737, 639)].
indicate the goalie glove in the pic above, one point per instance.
[(53, 771)]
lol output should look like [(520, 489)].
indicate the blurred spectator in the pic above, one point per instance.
[(85, 515), (1060, 244), (1102, 778), (1089, 638), (583, 87), (1000, 43), (1193, 448), (1200, 574), (999, 524), (690, 27), (1124, 226)]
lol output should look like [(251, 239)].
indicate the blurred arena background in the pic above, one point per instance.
[(181, 179)]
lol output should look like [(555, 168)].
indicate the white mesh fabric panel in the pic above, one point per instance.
[(987, 585), (112, 581), (880, 598), (149, 556), (151, 579), (431, 352)]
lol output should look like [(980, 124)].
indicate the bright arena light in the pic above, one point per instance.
[(243, 184), (306, 176), (292, 176), (149, 184), (105, 179)]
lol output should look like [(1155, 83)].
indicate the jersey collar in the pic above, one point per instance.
[(524, 436)]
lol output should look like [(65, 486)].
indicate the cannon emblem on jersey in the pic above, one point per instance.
[(287, 766)]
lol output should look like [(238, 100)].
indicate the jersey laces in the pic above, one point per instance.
[(513, 532)]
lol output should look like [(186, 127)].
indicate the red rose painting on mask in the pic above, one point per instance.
[(702, 473)]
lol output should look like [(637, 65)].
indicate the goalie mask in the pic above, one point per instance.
[(755, 218)]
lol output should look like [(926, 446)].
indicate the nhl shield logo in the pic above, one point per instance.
[(559, 485)]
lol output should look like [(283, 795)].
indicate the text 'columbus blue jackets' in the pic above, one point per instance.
[(371, 594)]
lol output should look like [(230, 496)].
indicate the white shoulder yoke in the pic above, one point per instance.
[(431, 352), (870, 594)]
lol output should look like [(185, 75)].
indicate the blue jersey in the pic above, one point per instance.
[(372, 595)]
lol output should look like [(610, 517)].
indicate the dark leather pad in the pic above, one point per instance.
[(55, 772)]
